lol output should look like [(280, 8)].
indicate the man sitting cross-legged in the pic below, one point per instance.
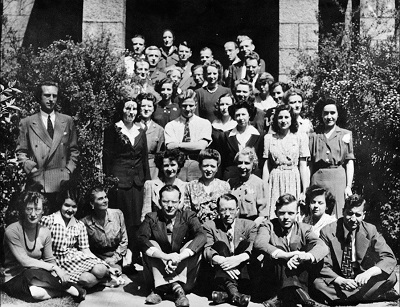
[(229, 244), (171, 241), (291, 251), (360, 265)]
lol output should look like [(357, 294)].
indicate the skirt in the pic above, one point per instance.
[(334, 180)]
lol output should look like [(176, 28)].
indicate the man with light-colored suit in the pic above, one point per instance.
[(291, 251), (228, 249), (47, 144), (360, 265)]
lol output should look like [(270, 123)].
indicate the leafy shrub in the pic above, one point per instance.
[(365, 79), (89, 75)]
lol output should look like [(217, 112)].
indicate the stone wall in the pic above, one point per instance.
[(298, 29), (105, 16)]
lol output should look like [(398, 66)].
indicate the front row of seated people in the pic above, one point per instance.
[(350, 261)]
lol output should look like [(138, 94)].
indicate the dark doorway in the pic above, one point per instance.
[(208, 23), (51, 20)]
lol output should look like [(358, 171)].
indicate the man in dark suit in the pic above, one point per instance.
[(360, 265), (291, 250), (228, 249), (171, 241), (185, 53), (47, 144)]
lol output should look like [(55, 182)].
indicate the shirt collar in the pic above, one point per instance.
[(46, 115), (59, 220), (250, 130)]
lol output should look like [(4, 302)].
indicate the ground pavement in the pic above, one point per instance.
[(132, 294)]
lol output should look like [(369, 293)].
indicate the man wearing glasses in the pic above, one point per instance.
[(171, 241), (228, 249)]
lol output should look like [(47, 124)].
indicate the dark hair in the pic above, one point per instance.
[(39, 90), (172, 32), (188, 94), (292, 92), (185, 43), (209, 153), (217, 111), (67, 191), (294, 125), (264, 78), (285, 199), (145, 96), (284, 86), (228, 197), (194, 67), (171, 154), (253, 56), (251, 153), (127, 94), (217, 65), (160, 83), (316, 190), (169, 188), (26, 198), (247, 104), (355, 200), (322, 103)]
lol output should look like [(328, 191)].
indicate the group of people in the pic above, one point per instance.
[(216, 169)]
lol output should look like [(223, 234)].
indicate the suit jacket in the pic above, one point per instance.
[(155, 139), (371, 250), (156, 75), (129, 163), (54, 158), (216, 231), (231, 147), (187, 227), (270, 237), (187, 80)]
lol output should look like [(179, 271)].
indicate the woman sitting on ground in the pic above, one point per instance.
[(71, 245), (30, 269), (319, 207)]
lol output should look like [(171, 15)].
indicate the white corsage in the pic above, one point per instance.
[(346, 138)]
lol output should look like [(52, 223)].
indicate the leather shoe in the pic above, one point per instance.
[(81, 293), (272, 302), (390, 295), (241, 300), (153, 298), (219, 297), (181, 299)]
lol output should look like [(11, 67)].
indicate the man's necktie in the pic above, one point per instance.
[(170, 228), (346, 267), (229, 234), (50, 128), (186, 132)]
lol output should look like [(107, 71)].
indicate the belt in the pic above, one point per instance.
[(286, 167)]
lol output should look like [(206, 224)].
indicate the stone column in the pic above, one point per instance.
[(298, 30), (105, 17), (16, 14), (378, 18)]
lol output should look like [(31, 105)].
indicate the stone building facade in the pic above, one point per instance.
[(298, 24)]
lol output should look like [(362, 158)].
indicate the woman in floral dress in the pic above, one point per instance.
[(286, 152), (201, 195)]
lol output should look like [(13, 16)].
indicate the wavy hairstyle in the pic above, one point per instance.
[(294, 125)]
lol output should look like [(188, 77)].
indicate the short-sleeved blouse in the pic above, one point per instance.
[(286, 150), (333, 151), (204, 203)]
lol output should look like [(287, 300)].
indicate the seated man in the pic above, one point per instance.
[(228, 248), (360, 265), (171, 241), (291, 251)]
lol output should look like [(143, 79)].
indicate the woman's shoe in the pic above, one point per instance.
[(81, 292)]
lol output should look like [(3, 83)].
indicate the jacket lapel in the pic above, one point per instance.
[(362, 243), (59, 129), (40, 130), (337, 243), (232, 142)]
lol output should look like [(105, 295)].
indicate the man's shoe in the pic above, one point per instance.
[(241, 300), (181, 299), (219, 297), (390, 295), (272, 302), (305, 300), (153, 298)]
